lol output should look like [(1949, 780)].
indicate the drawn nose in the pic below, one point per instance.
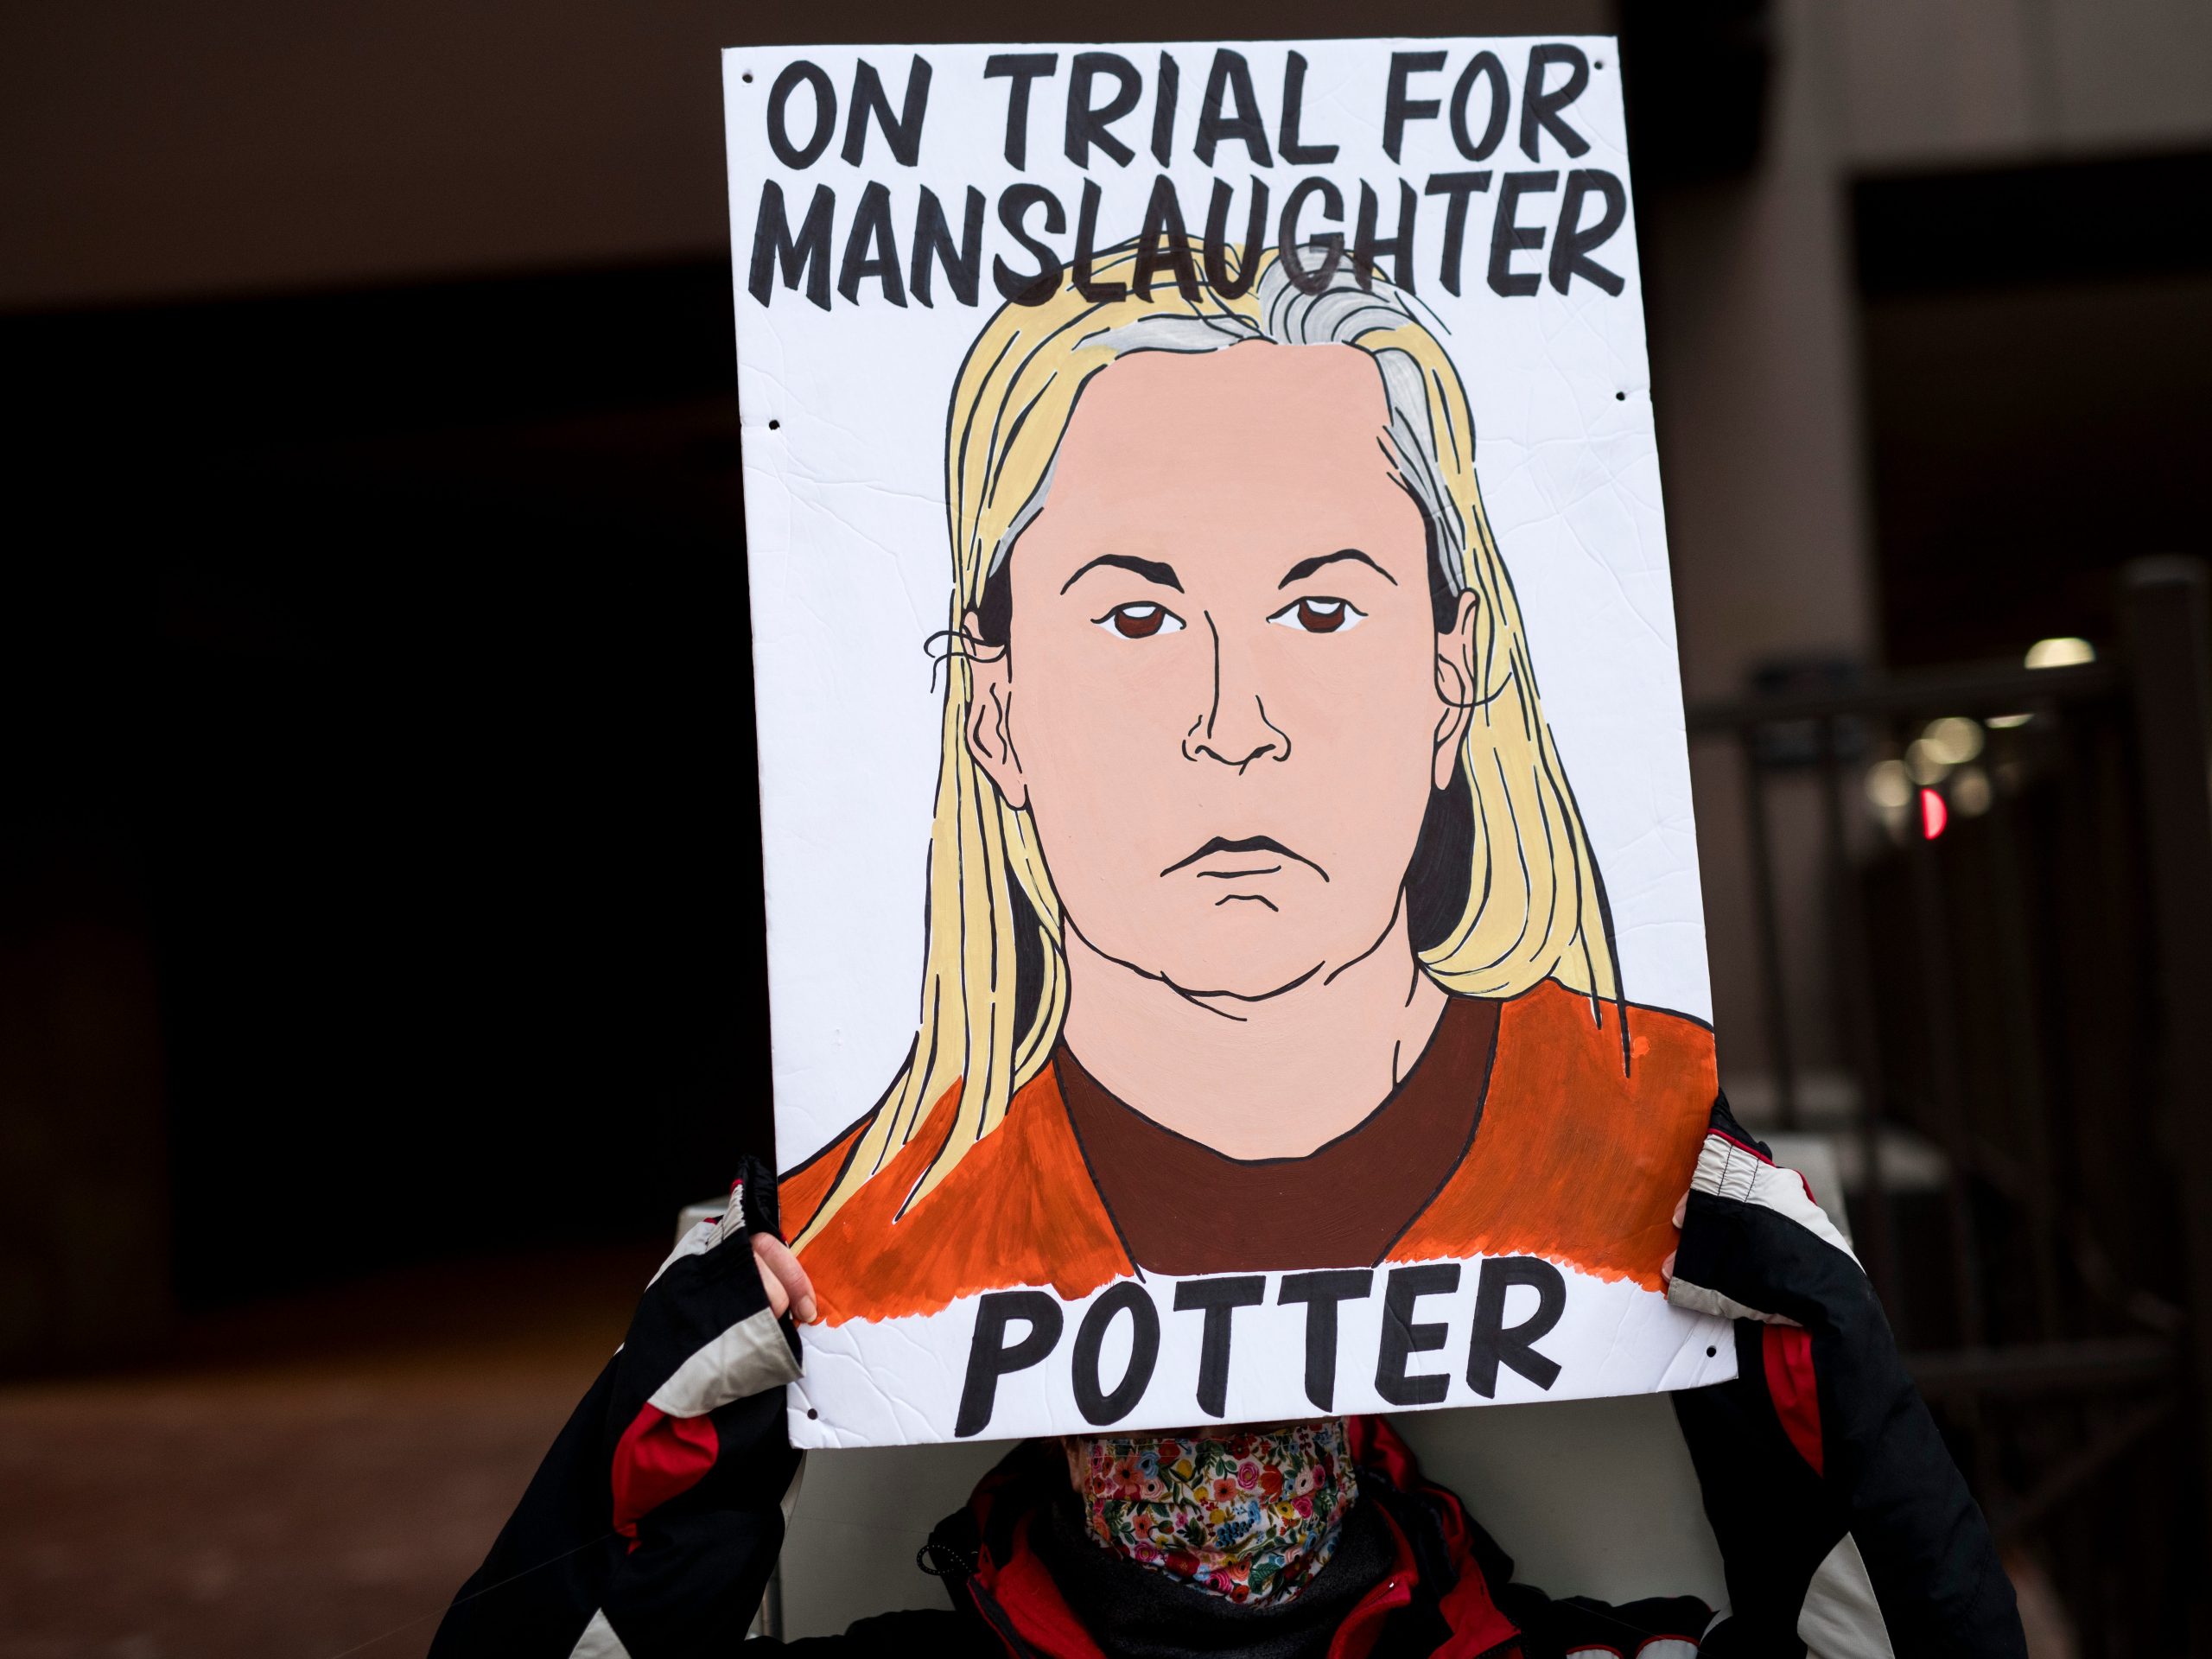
[(1214, 741), (1235, 730)]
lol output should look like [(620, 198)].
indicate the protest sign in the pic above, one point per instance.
[(1234, 931)]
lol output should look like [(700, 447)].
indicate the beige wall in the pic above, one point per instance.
[(240, 146), (1755, 362), (244, 145), (1754, 371), (1954, 82)]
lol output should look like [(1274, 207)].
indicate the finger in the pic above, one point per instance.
[(779, 1298), (775, 1257), (1667, 1268), (1681, 1210)]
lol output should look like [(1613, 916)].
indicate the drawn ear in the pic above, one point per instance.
[(1456, 688), (990, 710)]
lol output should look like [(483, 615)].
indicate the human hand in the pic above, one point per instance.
[(1667, 1268), (1754, 1244), (785, 1280), (1821, 1435)]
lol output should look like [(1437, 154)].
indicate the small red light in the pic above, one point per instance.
[(1934, 815)]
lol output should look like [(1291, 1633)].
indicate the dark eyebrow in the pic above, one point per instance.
[(1150, 569), (1307, 567)]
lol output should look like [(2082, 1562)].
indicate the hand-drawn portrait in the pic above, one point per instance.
[(1264, 929)]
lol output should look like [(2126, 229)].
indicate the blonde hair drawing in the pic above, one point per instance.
[(994, 980)]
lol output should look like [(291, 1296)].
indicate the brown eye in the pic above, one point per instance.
[(1319, 615), (1140, 621)]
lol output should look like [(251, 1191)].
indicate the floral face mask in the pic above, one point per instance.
[(1251, 1514)]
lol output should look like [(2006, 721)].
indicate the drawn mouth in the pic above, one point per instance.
[(1268, 853)]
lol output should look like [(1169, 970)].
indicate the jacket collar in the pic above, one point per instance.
[(1436, 1599)]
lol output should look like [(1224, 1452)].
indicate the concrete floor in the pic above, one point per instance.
[(304, 1479)]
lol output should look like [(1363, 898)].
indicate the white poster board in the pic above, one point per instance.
[(1234, 928)]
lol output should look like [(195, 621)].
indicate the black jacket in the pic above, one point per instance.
[(653, 1526)]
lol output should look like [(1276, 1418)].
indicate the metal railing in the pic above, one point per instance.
[(2014, 931)]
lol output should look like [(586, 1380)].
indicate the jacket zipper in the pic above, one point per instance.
[(995, 1616)]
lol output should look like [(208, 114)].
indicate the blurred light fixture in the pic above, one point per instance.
[(1955, 740), (1925, 761), (1971, 792), (2008, 723), (2067, 653), (1887, 785), (1934, 815)]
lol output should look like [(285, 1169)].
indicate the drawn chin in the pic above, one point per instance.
[(1246, 898)]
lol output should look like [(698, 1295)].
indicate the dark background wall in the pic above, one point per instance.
[(378, 839), (408, 737), (2037, 343)]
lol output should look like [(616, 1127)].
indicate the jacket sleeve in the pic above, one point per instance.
[(1844, 1523), (1576, 1627), (650, 1529)]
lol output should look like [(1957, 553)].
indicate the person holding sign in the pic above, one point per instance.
[(1272, 1006), (1846, 1529), (1249, 819)]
